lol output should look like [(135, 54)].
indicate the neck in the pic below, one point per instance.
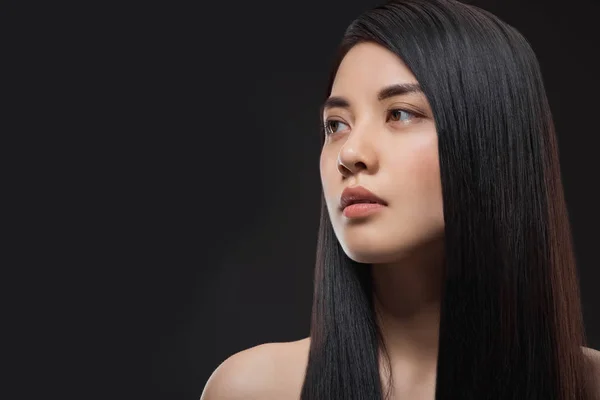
[(406, 296)]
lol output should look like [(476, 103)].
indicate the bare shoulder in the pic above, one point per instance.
[(266, 371), (593, 356)]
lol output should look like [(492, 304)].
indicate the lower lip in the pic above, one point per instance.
[(359, 210)]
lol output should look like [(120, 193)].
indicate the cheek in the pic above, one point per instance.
[(420, 169), (426, 170), (330, 180), (327, 168)]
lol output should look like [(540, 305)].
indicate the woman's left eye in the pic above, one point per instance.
[(400, 115)]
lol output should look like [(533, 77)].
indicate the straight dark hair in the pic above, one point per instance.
[(511, 324)]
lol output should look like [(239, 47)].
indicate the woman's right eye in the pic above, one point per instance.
[(332, 125)]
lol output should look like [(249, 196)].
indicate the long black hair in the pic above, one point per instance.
[(511, 325)]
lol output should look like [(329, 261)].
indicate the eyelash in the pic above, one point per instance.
[(328, 121)]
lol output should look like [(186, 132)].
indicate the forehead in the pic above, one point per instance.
[(367, 67)]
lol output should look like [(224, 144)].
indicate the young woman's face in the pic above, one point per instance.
[(387, 145)]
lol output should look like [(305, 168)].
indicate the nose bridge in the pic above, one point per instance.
[(359, 150)]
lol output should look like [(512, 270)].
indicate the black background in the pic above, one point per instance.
[(192, 228)]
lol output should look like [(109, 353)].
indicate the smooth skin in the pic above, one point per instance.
[(387, 144)]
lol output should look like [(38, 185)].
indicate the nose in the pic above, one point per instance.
[(356, 155)]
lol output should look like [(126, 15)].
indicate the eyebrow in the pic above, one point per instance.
[(385, 93)]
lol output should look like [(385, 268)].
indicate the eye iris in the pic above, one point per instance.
[(333, 125)]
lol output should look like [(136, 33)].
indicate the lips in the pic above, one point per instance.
[(359, 194)]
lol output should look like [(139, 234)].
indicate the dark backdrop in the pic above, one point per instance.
[(215, 232)]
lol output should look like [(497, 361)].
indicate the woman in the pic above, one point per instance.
[(445, 265)]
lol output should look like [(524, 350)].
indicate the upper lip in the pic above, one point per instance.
[(358, 194)]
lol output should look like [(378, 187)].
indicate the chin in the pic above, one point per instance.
[(370, 253)]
